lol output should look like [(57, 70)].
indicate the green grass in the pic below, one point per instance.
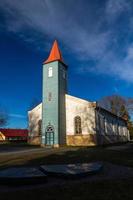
[(67, 155), (10, 144)]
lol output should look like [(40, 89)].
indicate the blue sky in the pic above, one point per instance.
[(96, 40)]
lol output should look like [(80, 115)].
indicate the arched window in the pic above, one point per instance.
[(39, 127), (77, 124)]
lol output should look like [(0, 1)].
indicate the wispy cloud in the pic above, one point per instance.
[(17, 116), (87, 29), (115, 8)]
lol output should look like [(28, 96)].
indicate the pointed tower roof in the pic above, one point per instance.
[(55, 54)]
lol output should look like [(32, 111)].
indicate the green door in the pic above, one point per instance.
[(49, 136)]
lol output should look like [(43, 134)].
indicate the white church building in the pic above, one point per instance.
[(62, 119)]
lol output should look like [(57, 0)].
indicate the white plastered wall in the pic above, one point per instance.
[(34, 116)]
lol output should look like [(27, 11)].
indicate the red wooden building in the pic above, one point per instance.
[(13, 134)]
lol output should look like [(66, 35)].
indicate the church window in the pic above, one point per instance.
[(49, 96), (113, 125), (64, 74), (77, 123), (50, 129), (123, 130), (50, 72), (39, 127), (106, 126), (118, 128)]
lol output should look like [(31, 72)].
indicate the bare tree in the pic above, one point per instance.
[(3, 117), (121, 106)]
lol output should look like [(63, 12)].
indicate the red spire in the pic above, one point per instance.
[(55, 54)]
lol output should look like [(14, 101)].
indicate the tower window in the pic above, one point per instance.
[(49, 96), (77, 124), (50, 72), (64, 74)]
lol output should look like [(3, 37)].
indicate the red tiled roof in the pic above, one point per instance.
[(14, 132)]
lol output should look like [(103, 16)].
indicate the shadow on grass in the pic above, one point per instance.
[(102, 190), (105, 190), (16, 144), (69, 155)]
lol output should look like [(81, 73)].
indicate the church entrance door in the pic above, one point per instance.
[(49, 136)]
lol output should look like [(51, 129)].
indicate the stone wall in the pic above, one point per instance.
[(82, 140)]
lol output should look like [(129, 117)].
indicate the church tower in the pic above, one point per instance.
[(53, 102)]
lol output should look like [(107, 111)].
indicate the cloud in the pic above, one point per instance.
[(115, 8), (57, 20), (129, 53), (116, 90), (89, 31), (17, 116), (120, 68)]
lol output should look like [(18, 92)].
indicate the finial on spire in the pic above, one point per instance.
[(55, 54)]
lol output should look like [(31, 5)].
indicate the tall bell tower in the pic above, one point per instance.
[(53, 99)]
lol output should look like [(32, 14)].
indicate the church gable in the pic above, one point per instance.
[(80, 101), (76, 107)]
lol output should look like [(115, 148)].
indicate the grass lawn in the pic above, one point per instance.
[(66, 155), (108, 190)]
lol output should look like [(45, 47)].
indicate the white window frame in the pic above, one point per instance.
[(50, 71), (113, 126), (106, 126)]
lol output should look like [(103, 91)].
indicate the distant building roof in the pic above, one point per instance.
[(14, 132)]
